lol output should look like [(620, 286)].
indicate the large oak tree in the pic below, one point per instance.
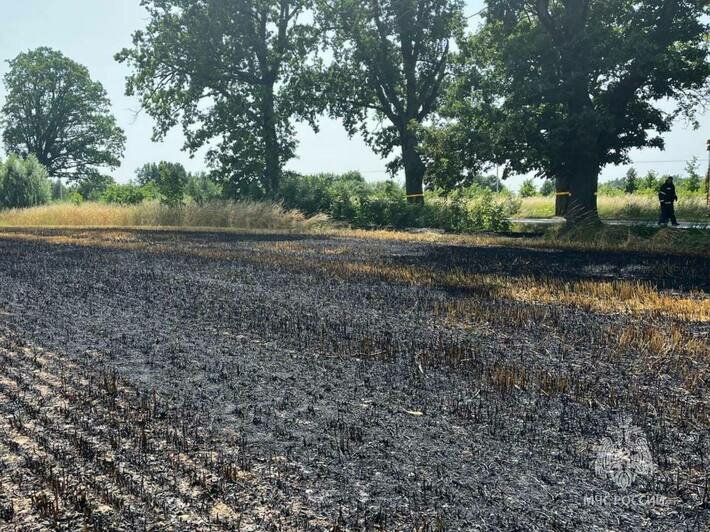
[(56, 112), (564, 87), (234, 74), (390, 60)]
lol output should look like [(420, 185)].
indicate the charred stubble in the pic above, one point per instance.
[(263, 382)]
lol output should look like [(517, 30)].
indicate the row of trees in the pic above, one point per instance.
[(166, 182), (24, 182), (556, 87), (691, 182), (560, 88)]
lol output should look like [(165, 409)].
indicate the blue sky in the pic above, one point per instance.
[(92, 31)]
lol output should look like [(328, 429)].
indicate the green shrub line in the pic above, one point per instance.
[(348, 198)]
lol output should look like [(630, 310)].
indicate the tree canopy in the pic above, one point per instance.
[(563, 88), (56, 112), (169, 179), (235, 74), (390, 60)]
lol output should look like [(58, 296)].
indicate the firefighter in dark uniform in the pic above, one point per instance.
[(667, 195)]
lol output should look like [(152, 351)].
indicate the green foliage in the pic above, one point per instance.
[(54, 111), (564, 88), (547, 188), (349, 198), (386, 206), (693, 180), (169, 179), (235, 75), (128, 194), (172, 179), (148, 173), (201, 188), (479, 182), (650, 181), (488, 214), (347, 193), (615, 187), (326, 193), (92, 186), (23, 183), (390, 59), (631, 181), (75, 198), (527, 189)]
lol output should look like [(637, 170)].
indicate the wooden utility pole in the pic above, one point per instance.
[(707, 178)]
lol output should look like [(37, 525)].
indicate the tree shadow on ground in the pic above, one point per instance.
[(675, 272)]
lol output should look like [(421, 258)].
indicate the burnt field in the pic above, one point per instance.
[(208, 381)]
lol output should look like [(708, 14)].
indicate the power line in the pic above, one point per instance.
[(476, 14), (665, 161)]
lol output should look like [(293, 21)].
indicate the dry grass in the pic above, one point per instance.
[(671, 350), (626, 207), (632, 297), (243, 215)]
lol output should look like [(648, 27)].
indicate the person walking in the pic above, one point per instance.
[(667, 195)]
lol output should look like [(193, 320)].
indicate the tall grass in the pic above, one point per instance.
[(241, 215), (625, 207)]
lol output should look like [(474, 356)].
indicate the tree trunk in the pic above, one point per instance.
[(413, 168), (576, 196), (272, 163)]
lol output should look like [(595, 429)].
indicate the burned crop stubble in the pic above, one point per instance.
[(347, 382)]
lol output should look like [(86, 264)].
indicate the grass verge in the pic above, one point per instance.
[(626, 207)]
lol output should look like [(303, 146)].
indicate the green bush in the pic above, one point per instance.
[(23, 183), (201, 188), (349, 198), (93, 185), (649, 183), (309, 194), (606, 189), (336, 195), (75, 198), (528, 189), (347, 194), (171, 182), (631, 181), (548, 187), (489, 214), (693, 181), (385, 205), (129, 193), (169, 179)]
